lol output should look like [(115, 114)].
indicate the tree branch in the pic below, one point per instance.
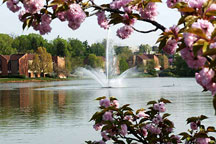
[(156, 24), (153, 30)]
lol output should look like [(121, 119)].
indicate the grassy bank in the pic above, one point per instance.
[(11, 80)]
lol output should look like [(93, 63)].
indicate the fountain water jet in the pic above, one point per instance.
[(108, 79)]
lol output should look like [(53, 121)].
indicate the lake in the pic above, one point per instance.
[(59, 112)]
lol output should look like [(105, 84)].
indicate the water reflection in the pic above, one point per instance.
[(59, 112)]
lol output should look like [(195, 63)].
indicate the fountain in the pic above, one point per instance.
[(109, 78)]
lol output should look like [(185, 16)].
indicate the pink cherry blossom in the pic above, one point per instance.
[(12, 5), (197, 62), (153, 129), (204, 25), (171, 3), (193, 126), (33, 6), (157, 119), (104, 135), (196, 3), (142, 114), (205, 76), (203, 140), (102, 20), (97, 127), (212, 45), (75, 15), (123, 129), (149, 12), (212, 7), (170, 47), (117, 4), (20, 16), (128, 20), (189, 39), (124, 32), (128, 117), (107, 116), (212, 87), (44, 27), (144, 131), (160, 107), (61, 16), (115, 103), (105, 102)]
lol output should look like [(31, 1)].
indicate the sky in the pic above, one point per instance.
[(90, 30)]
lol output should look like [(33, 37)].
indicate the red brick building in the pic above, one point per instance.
[(143, 58), (18, 64)]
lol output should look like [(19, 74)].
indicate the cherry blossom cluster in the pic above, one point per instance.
[(102, 20), (198, 30), (117, 124), (204, 78)]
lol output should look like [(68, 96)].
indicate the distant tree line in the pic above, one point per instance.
[(79, 54)]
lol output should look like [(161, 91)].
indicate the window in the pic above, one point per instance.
[(9, 65), (0, 65)]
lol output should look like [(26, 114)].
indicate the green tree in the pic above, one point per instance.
[(98, 49), (150, 67), (6, 45), (60, 47), (42, 62), (76, 48), (123, 52), (144, 48), (24, 43), (94, 61), (164, 62), (181, 68), (123, 65)]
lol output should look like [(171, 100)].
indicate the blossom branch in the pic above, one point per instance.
[(156, 24), (153, 30)]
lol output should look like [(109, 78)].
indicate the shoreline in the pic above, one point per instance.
[(21, 80)]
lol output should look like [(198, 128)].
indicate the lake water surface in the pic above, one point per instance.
[(59, 112)]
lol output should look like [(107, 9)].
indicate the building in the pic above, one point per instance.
[(16, 64), (19, 64), (144, 58)]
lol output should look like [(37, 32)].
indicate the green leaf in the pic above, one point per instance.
[(192, 119), (186, 9), (163, 43), (201, 135), (100, 98), (213, 34), (151, 102), (211, 129), (203, 117), (94, 116), (196, 48), (164, 100), (184, 135), (210, 52), (211, 13), (113, 98), (166, 115), (197, 32)]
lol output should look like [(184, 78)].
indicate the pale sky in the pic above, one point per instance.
[(90, 30)]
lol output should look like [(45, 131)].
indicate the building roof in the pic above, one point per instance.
[(7, 57), (16, 56), (146, 56)]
